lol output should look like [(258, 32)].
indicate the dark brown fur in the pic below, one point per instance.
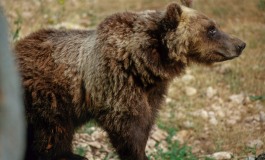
[(117, 75)]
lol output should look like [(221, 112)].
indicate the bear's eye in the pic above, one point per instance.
[(212, 31)]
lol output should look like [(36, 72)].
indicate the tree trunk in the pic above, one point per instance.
[(12, 120)]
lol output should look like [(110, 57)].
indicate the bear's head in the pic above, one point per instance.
[(192, 36)]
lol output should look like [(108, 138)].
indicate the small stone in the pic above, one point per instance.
[(210, 92), (231, 122), (190, 91), (204, 114), (221, 113), (151, 143), (211, 114), (237, 117), (89, 155), (216, 107), (237, 98), (180, 115), (201, 113), (187, 78), (249, 119), (257, 143), (159, 135), (259, 106), (247, 100), (262, 116), (64, 25), (213, 121), (164, 146), (188, 71), (222, 155), (98, 134), (168, 100), (256, 117), (94, 144), (188, 124)]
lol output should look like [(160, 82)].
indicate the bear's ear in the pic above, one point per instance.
[(187, 3), (172, 16)]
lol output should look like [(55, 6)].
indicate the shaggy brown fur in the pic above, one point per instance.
[(117, 74)]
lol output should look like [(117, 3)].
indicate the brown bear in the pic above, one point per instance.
[(117, 75)]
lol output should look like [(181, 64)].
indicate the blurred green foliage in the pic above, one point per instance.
[(17, 24), (261, 5)]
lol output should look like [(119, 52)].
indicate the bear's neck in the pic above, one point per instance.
[(137, 44)]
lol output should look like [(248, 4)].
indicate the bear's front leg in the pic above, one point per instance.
[(128, 134)]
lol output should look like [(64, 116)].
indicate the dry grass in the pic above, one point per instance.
[(243, 18)]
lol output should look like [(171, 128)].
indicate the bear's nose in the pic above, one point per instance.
[(240, 47)]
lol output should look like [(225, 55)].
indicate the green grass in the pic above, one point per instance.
[(251, 150), (220, 12), (257, 97), (233, 79), (175, 150), (80, 151), (261, 5), (17, 24), (87, 128)]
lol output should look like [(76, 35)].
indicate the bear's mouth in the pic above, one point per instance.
[(225, 55)]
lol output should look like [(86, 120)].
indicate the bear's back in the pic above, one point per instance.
[(49, 65)]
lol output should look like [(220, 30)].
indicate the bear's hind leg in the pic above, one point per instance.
[(51, 142)]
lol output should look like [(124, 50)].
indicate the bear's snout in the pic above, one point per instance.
[(240, 47)]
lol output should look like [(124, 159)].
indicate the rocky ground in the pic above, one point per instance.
[(226, 126)]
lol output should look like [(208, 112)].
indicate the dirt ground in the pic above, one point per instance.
[(211, 109)]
